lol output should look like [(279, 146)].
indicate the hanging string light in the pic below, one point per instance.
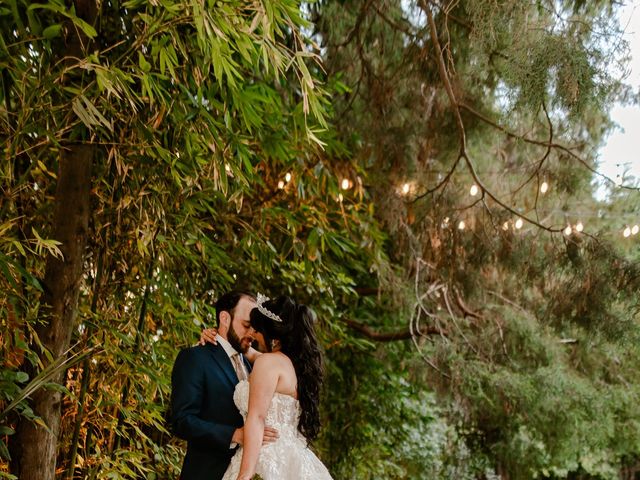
[(618, 180), (544, 187), (474, 190), (287, 177), (280, 185)]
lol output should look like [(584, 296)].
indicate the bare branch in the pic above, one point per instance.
[(544, 157), (444, 76), (462, 306), (393, 24), (367, 291), (445, 295), (541, 143), (404, 334), (355, 31), (444, 181)]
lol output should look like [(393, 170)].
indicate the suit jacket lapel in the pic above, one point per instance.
[(223, 360)]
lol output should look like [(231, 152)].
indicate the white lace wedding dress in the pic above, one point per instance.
[(288, 458)]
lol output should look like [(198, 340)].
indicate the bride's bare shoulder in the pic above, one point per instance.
[(270, 365), (272, 360), (266, 359)]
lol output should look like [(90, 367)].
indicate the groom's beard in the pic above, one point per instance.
[(238, 345)]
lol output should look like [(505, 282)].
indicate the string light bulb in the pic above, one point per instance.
[(462, 225), (340, 198), (473, 191), (626, 232), (519, 223), (579, 227), (635, 229), (544, 187), (618, 180), (280, 185), (405, 188), (345, 183), (287, 177), (505, 226), (568, 230)]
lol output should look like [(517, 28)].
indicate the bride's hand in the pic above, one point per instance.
[(208, 335)]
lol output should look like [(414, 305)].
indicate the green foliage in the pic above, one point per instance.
[(221, 132), (544, 51), (526, 372), (390, 429), (195, 113)]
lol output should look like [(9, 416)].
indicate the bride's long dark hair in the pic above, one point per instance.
[(298, 341)]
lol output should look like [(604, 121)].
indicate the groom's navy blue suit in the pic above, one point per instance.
[(202, 410)]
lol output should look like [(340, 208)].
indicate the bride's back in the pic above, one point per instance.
[(287, 379)]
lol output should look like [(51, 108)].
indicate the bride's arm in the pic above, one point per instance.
[(262, 386), (208, 335)]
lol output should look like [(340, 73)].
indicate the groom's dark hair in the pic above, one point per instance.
[(229, 301)]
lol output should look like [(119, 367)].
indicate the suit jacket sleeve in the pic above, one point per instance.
[(186, 402)]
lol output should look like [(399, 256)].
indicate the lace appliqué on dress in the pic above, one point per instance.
[(288, 458)]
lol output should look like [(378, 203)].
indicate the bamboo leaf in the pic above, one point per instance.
[(58, 8), (52, 31)]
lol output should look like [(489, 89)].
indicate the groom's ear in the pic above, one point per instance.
[(225, 320)]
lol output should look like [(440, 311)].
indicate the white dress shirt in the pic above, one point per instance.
[(230, 351)]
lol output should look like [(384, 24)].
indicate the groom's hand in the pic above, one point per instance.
[(270, 436)]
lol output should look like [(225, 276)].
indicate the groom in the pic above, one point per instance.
[(203, 381)]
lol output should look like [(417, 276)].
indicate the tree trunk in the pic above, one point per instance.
[(34, 447), (36, 458)]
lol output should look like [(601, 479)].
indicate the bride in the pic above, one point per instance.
[(283, 391)]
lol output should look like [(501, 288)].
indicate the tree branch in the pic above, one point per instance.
[(463, 306), (367, 291), (404, 334), (444, 76), (541, 143)]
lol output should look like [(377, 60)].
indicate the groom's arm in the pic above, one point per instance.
[(187, 389)]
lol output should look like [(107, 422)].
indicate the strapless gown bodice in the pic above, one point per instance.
[(289, 457)]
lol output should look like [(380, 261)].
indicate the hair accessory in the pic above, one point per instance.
[(263, 310)]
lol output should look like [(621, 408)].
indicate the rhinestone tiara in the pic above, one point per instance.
[(263, 310)]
